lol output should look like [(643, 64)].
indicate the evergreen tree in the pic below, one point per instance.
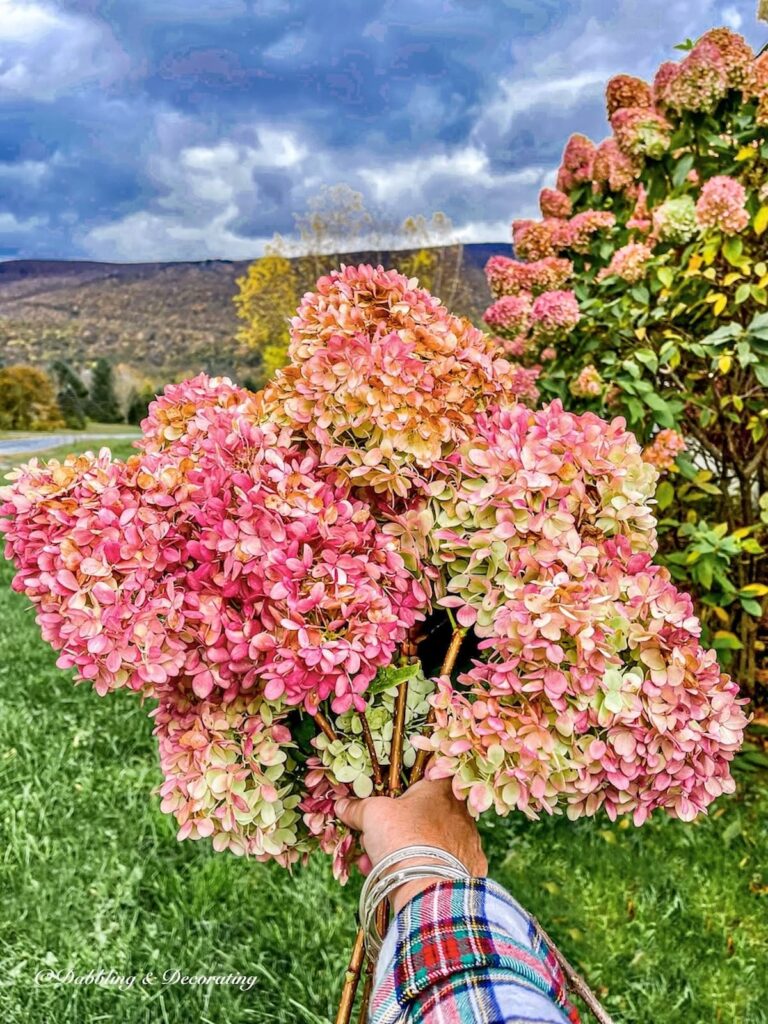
[(138, 405), (102, 401), (71, 396)]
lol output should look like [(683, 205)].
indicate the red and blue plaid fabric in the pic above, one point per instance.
[(467, 952)]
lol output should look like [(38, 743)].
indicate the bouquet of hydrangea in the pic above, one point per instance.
[(384, 556)]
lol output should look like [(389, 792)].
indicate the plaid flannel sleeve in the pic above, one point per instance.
[(467, 952)]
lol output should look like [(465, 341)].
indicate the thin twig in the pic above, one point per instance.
[(362, 1016), (351, 979), (325, 726), (378, 778), (398, 737), (382, 921)]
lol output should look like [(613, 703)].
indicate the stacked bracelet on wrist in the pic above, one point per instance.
[(386, 877)]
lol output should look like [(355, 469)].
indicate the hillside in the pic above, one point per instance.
[(159, 319)]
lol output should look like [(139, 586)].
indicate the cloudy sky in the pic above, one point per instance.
[(192, 129)]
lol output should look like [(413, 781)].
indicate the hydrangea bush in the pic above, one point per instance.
[(280, 574), (657, 235)]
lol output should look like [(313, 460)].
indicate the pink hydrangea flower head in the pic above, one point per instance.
[(247, 567), (588, 384), (613, 168), (91, 539), (662, 82), (554, 203), (512, 277), (641, 132), (759, 88), (510, 315), (171, 420), (700, 82), (535, 240), (229, 775), (576, 164), (722, 205), (629, 263), (582, 228), (297, 590), (664, 449), (614, 706), (516, 347), (533, 492), (627, 91), (383, 378), (555, 313), (525, 378), (735, 54)]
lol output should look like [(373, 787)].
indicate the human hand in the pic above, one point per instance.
[(426, 814)]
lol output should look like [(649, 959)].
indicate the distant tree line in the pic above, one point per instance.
[(33, 399)]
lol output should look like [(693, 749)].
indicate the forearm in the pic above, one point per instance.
[(465, 951)]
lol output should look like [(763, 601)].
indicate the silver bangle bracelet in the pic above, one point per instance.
[(412, 873), (382, 881)]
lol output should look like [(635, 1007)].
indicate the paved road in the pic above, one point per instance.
[(20, 445)]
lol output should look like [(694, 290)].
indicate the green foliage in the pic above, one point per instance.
[(138, 405), (102, 404), (685, 347), (27, 400)]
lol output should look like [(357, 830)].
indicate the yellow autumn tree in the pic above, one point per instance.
[(266, 299), (28, 400)]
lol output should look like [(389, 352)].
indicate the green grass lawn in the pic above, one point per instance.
[(668, 922)]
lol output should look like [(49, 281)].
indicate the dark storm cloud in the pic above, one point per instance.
[(172, 129)]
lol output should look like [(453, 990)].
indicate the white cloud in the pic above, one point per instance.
[(147, 237), (526, 95), (10, 224), (202, 189), (45, 52), (31, 172), (469, 166)]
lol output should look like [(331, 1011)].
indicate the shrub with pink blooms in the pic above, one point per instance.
[(664, 234), (280, 575)]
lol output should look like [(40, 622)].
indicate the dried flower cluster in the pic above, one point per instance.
[(262, 559)]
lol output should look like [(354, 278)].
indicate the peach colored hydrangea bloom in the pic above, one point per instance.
[(511, 277), (722, 205), (588, 384), (554, 203), (627, 91), (629, 263), (664, 449), (384, 379)]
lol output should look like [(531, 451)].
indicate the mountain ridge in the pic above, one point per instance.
[(160, 319)]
